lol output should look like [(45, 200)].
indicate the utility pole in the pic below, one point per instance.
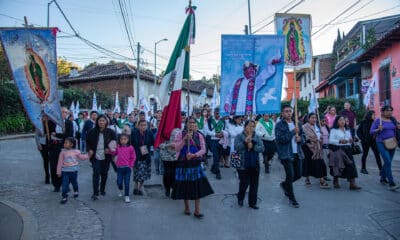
[(137, 74), (248, 8)]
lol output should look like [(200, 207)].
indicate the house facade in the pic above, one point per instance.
[(382, 62), (309, 81), (349, 71), (290, 86)]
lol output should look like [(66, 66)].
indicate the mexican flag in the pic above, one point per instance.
[(177, 70)]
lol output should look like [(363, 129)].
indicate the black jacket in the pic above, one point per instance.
[(68, 130), (363, 131), (92, 138), (137, 140)]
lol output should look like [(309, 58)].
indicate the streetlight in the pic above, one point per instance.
[(155, 60)]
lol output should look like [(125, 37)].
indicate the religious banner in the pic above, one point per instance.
[(251, 74), (31, 53), (297, 31)]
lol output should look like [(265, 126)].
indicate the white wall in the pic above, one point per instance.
[(312, 80)]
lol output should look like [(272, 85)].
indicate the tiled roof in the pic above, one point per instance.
[(107, 71), (118, 70)]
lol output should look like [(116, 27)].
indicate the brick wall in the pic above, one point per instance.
[(325, 68)]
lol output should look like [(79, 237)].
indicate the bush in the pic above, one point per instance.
[(85, 98), (15, 124)]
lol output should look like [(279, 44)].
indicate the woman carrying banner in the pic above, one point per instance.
[(190, 180), (248, 145), (385, 130)]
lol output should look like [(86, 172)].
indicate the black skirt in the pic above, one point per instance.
[(269, 147), (313, 167), (191, 182)]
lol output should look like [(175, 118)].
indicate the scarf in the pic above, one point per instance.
[(267, 125), (200, 123), (217, 125)]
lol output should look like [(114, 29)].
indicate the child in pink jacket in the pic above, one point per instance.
[(125, 160), (68, 167)]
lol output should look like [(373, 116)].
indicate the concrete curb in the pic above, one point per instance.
[(17, 136), (30, 226)]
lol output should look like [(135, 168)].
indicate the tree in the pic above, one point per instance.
[(5, 72), (64, 67), (91, 64)]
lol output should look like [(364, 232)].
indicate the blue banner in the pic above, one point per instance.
[(251, 74), (32, 57)]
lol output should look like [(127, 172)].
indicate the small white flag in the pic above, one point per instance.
[(94, 103)]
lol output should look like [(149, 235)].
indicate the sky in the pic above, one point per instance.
[(100, 21)]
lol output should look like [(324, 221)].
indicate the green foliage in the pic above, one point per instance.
[(10, 103), (15, 124), (5, 72)]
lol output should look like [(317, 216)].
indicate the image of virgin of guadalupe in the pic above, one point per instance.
[(240, 99), (295, 52), (37, 76)]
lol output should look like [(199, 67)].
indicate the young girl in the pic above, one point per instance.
[(68, 167), (125, 160)]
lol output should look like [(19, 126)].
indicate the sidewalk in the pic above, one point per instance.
[(16, 136)]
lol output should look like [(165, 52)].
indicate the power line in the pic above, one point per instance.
[(291, 8), (338, 16), (126, 29), (265, 19)]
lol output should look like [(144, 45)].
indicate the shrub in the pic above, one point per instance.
[(15, 124)]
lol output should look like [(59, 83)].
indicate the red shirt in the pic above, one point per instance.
[(350, 115)]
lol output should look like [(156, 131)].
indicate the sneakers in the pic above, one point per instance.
[(63, 201), (364, 171), (102, 193), (94, 197), (127, 199), (393, 186), (76, 194), (120, 194)]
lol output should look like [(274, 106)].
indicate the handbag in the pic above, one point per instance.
[(236, 162), (390, 143), (355, 149)]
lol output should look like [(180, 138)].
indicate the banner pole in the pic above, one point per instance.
[(296, 121)]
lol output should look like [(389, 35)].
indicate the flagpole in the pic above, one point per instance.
[(188, 91), (316, 106), (296, 121)]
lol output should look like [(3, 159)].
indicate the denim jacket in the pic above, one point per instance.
[(240, 146), (283, 138)]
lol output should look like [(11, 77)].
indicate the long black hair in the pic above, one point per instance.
[(336, 122), (368, 115), (97, 121)]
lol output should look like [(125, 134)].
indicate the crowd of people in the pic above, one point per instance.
[(311, 146)]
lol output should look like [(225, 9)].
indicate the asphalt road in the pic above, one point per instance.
[(372, 213)]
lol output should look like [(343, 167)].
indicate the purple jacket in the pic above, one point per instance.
[(388, 131)]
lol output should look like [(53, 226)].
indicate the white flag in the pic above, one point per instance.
[(130, 105), (99, 110), (201, 100), (214, 98), (77, 110), (372, 89), (313, 104), (94, 103), (117, 108), (72, 109), (292, 103)]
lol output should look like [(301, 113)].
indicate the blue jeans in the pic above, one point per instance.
[(69, 177), (387, 156), (216, 150), (82, 144), (124, 175)]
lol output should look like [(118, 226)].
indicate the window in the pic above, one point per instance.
[(351, 87), (309, 77), (305, 80), (342, 91), (331, 92), (384, 85)]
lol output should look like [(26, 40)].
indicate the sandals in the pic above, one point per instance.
[(187, 213)]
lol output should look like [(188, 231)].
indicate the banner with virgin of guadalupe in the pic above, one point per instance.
[(297, 31), (31, 54), (251, 74)]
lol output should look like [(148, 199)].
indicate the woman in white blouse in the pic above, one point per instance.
[(341, 161)]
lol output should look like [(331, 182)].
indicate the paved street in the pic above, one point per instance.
[(372, 213)]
